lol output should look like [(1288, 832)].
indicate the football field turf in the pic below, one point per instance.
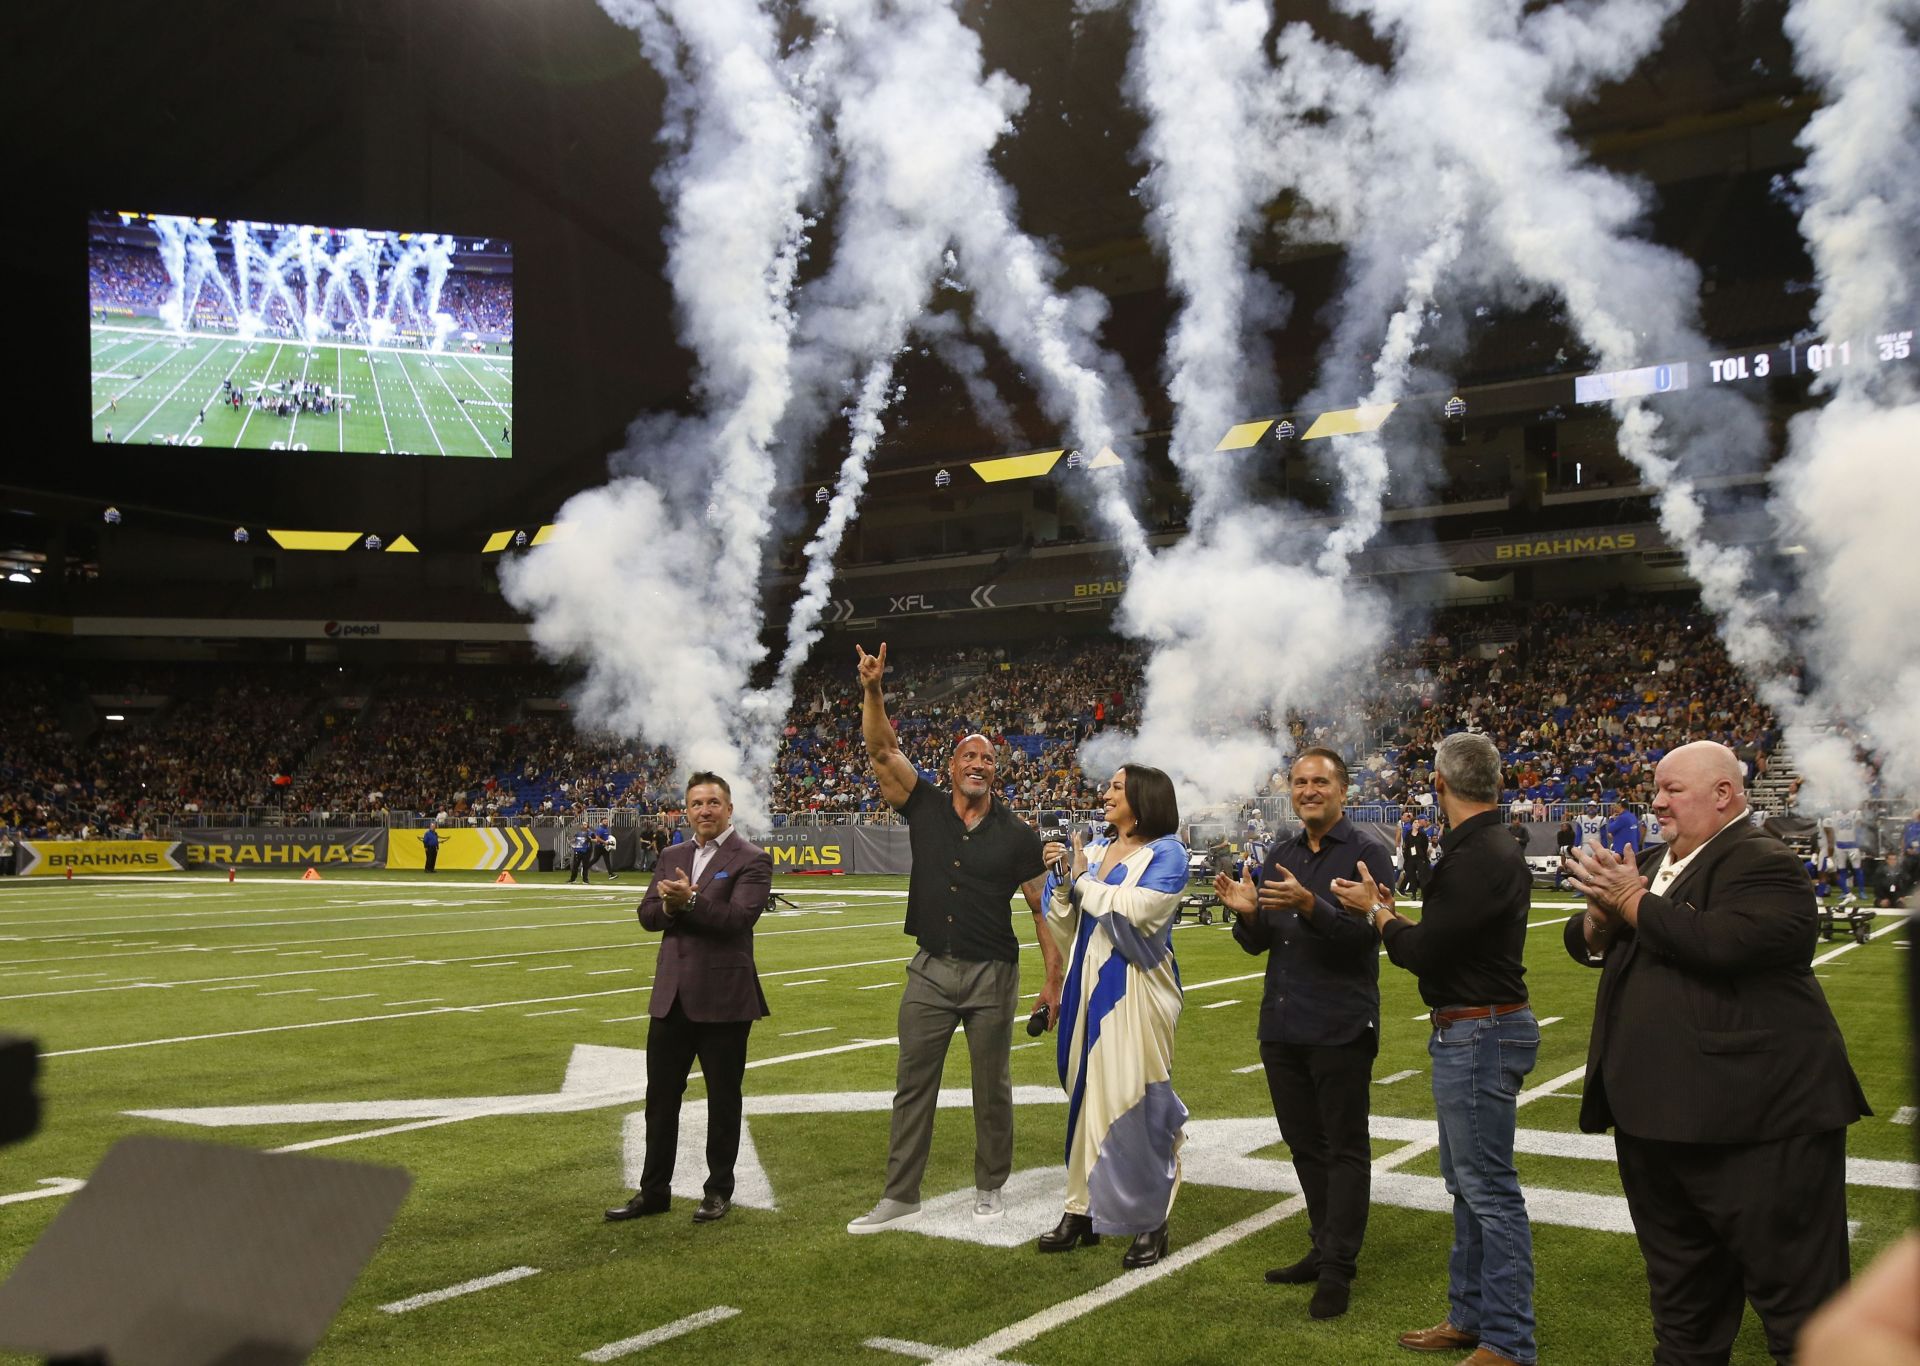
[(487, 1038), (150, 387)]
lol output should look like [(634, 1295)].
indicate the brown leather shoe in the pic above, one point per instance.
[(1442, 1337), (1486, 1356)]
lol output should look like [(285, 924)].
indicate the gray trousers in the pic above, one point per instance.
[(942, 993)]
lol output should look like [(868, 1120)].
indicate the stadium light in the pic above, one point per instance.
[(17, 577), (115, 716)]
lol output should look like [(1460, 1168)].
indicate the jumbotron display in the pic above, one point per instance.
[(294, 337)]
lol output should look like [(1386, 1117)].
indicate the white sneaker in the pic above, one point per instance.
[(988, 1205), (887, 1214)]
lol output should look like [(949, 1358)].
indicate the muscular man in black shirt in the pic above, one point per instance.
[(1466, 951), (970, 855)]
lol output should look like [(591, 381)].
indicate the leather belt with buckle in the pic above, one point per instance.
[(1441, 1018)]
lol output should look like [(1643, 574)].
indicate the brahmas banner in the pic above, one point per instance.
[(56, 858), (277, 847)]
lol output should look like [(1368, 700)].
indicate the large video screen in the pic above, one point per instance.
[(295, 337)]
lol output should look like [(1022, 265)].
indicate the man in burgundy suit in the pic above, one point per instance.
[(704, 898)]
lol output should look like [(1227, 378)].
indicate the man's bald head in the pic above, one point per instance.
[(972, 768), (1699, 790)]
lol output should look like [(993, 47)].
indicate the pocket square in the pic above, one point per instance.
[(722, 873)]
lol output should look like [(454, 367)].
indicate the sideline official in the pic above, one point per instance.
[(1718, 1064), (1467, 950), (970, 855), (1319, 1017), (703, 901)]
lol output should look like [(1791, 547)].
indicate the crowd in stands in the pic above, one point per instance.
[(480, 303), (1582, 701), (122, 278)]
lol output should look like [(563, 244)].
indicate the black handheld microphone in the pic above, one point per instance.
[(1037, 1022)]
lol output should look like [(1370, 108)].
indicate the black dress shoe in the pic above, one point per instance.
[(1073, 1230), (1303, 1272), (711, 1208), (1147, 1249), (639, 1207), (1330, 1298)]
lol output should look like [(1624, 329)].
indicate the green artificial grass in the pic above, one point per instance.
[(368, 987), (150, 387)]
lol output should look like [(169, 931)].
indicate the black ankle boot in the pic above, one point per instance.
[(1147, 1249), (1073, 1230)]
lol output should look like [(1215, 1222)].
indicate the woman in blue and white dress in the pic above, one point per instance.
[(1113, 919)]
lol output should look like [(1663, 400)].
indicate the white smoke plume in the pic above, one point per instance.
[(915, 118), (1196, 71), (1861, 195), (1241, 628), (655, 585), (1542, 221)]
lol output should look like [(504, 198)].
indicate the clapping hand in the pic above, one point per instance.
[(1363, 897), (1284, 892), (676, 893), (1608, 880), (1238, 895)]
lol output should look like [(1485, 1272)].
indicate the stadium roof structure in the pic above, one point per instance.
[(537, 123)]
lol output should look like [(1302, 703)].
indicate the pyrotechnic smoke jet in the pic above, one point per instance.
[(915, 117), (1241, 629), (1452, 171), (1861, 198), (655, 585), (1557, 224)]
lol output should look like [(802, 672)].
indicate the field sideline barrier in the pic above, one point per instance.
[(56, 858), (840, 849), (487, 849)]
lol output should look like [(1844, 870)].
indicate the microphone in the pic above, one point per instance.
[(1037, 1022)]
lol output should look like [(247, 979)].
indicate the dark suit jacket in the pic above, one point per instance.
[(706, 952), (1708, 1026)]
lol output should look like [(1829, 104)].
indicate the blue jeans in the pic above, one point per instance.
[(1478, 1067)]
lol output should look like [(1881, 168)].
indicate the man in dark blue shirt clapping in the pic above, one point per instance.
[(1319, 1016)]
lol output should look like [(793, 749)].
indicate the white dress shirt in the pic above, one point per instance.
[(703, 854)]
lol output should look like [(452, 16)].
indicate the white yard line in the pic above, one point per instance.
[(1899, 923), (266, 375), (407, 375), (1224, 981), (412, 1302), (168, 397), (373, 370), (1057, 1315), (118, 360), (463, 408), (524, 1104), (666, 1332), (415, 1014), (1216, 1005)]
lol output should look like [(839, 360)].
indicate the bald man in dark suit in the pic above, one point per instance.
[(705, 896), (1718, 1064)]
